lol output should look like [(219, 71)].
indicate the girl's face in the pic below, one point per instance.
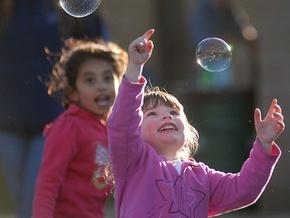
[(96, 87), (163, 128)]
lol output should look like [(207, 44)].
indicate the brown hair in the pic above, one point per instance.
[(72, 56), (155, 96)]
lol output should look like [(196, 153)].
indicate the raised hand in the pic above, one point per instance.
[(140, 51), (271, 127), (141, 48)]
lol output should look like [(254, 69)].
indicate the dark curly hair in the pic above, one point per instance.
[(74, 53)]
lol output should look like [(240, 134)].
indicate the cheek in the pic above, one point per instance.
[(182, 129), (147, 130), (86, 95)]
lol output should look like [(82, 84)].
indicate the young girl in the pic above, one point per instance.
[(150, 142), (70, 182)]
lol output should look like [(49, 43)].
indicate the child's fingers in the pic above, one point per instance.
[(143, 43), (148, 33), (272, 107), (278, 116), (257, 117), (149, 46), (278, 109), (281, 125)]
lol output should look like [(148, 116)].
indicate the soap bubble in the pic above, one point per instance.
[(79, 8), (213, 54)]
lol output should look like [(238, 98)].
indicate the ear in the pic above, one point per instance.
[(73, 95)]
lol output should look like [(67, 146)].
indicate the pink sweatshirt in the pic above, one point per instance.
[(64, 187), (147, 185)]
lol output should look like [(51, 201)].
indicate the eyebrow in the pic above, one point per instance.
[(148, 109), (109, 71), (87, 73)]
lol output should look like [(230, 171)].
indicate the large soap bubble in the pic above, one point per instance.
[(213, 54), (79, 8)]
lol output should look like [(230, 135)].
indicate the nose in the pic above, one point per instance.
[(101, 86), (167, 116)]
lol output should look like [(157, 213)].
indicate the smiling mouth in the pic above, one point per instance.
[(167, 127)]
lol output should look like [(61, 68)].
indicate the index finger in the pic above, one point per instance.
[(148, 33), (272, 107)]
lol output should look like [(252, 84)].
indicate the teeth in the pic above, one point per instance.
[(168, 127), (102, 101)]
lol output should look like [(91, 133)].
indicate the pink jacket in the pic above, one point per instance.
[(76, 142), (147, 185)]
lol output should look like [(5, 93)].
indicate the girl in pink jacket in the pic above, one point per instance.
[(150, 144), (70, 183)]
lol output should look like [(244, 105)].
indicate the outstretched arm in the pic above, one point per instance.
[(235, 191), (140, 51), (125, 143), (271, 127)]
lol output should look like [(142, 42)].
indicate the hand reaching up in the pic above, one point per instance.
[(140, 51), (141, 48), (269, 128)]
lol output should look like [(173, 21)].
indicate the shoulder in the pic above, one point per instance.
[(63, 133), (65, 122)]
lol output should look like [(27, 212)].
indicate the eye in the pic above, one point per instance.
[(89, 80), (152, 113), (174, 113), (108, 78)]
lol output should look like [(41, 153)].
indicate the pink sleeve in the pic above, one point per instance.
[(59, 147), (125, 142), (233, 191)]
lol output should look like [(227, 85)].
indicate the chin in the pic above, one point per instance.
[(102, 111), (170, 140)]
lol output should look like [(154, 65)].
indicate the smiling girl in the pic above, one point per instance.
[(151, 143)]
